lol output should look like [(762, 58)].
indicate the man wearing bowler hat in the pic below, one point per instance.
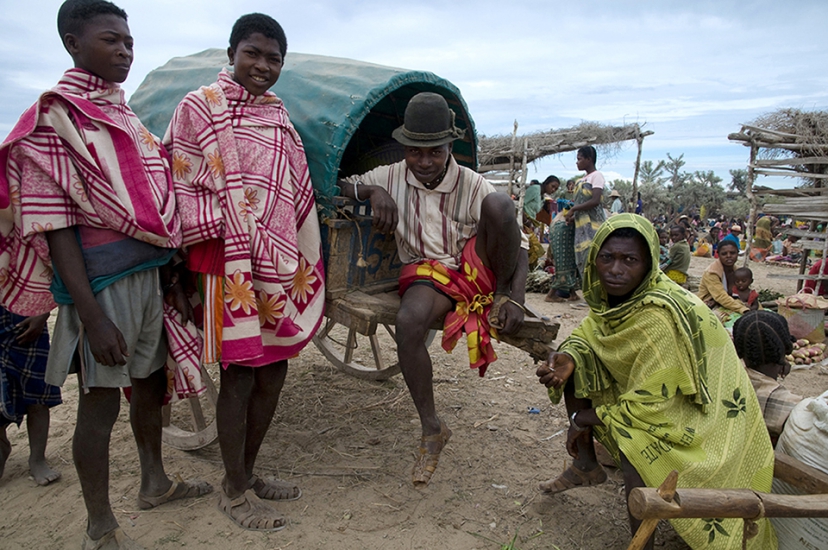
[(463, 252)]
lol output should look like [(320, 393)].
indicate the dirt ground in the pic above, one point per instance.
[(350, 445)]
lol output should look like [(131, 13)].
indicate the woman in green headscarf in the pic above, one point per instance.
[(654, 376), (760, 247)]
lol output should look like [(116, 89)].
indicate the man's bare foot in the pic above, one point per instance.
[(5, 450), (41, 472)]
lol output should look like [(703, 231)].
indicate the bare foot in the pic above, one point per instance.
[(5, 450), (41, 472)]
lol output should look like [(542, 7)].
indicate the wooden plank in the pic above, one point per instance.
[(805, 233), (798, 192), (645, 503), (792, 161), (790, 173), (797, 277), (803, 477)]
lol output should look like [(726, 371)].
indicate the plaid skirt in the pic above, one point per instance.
[(22, 371)]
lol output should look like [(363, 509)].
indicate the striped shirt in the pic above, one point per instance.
[(434, 224)]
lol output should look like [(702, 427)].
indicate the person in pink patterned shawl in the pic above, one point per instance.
[(88, 221), (252, 240)]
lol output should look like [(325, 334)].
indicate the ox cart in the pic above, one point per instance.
[(345, 111)]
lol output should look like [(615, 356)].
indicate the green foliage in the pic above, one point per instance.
[(738, 208), (647, 173), (738, 181), (624, 188)]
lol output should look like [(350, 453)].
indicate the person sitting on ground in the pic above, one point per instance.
[(617, 206), (741, 288), (678, 262), (733, 236), (24, 347), (762, 341), (715, 233), (482, 253), (269, 274), (570, 237), (663, 246), (719, 278), (792, 248), (532, 208), (103, 246), (760, 247), (818, 287), (654, 377)]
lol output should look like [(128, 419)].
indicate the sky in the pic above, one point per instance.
[(691, 72)]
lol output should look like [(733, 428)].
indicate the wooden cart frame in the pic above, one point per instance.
[(345, 111)]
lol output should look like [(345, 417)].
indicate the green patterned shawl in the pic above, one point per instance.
[(664, 378)]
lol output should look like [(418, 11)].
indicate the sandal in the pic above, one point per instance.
[(194, 488), (426, 461), (573, 477), (114, 540), (553, 297), (274, 489), (249, 512), (494, 313)]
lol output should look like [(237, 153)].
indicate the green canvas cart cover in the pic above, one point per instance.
[(343, 109)]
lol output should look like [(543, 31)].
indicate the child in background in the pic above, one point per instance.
[(678, 261), (24, 347), (741, 288), (663, 246), (762, 341)]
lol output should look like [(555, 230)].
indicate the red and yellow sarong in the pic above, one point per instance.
[(471, 286)]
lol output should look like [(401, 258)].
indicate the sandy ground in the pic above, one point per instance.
[(350, 445)]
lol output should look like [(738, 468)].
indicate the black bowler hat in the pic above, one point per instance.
[(428, 122)]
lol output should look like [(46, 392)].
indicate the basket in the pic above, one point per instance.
[(805, 316)]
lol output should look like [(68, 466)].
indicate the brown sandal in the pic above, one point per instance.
[(192, 488), (426, 461), (274, 489), (248, 512), (114, 539), (494, 313), (573, 477)]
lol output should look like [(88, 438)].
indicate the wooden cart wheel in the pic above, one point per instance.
[(190, 424), (358, 355)]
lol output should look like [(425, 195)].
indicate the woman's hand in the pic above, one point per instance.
[(555, 371), (570, 216)]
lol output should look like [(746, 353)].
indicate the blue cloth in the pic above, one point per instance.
[(22, 371), (731, 237), (117, 260)]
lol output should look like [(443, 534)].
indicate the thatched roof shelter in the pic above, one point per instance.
[(789, 142), (496, 152)]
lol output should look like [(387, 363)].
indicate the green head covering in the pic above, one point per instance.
[(594, 292)]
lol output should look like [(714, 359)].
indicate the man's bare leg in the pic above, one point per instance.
[(498, 240), (5, 448), (264, 398), (632, 479), (97, 413), (145, 417), (231, 420), (37, 425), (420, 307)]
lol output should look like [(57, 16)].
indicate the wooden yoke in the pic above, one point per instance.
[(650, 505)]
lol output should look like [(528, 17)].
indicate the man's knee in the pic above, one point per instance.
[(498, 206), (411, 325), (98, 410)]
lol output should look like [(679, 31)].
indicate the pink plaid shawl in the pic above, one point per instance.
[(79, 156), (241, 175)]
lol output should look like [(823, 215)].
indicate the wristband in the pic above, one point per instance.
[(356, 184), (574, 424)]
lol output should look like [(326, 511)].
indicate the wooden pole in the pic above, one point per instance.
[(751, 175), (640, 141), (666, 492), (522, 181), (512, 158)]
